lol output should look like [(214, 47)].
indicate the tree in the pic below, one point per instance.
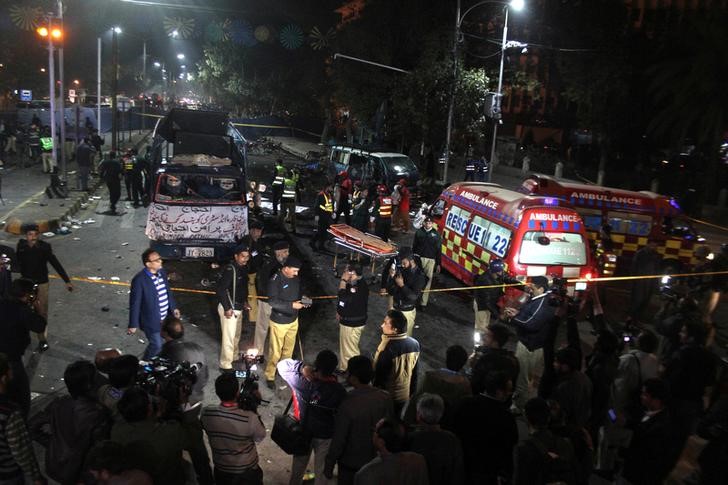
[(689, 95)]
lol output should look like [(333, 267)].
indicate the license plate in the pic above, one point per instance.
[(199, 252)]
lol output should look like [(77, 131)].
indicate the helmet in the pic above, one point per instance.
[(497, 265), (382, 189)]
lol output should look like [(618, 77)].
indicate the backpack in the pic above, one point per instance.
[(558, 466)]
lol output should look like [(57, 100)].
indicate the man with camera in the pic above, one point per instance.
[(406, 283), (232, 302), (284, 297), (233, 433), (485, 303), (532, 322), (317, 396), (20, 316)]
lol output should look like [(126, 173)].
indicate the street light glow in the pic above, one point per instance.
[(175, 33), (56, 33), (42, 31), (76, 82), (157, 64), (42, 69), (117, 29), (180, 56), (517, 5), (183, 66)]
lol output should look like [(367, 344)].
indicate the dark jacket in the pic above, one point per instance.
[(532, 322), (490, 360), (532, 456), (396, 364), (690, 371), (144, 302), (488, 433), (233, 287), (110, 171), (181, 350), (428, 244), (282, 292), (34, 261), (487, 298), (357, 416), (76, 425), (17, 321), (352, 304), (443, 454), (315, 401), (266, 270), (453, 387), (573, 392), (406, 297), (652, 452), (257, 256), (84, 155)]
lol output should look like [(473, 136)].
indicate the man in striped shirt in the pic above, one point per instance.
[(233, 434), (150, 301)]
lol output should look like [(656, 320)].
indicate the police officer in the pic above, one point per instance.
[(405, 285), (232, 302), (265, 271), (128, 164), (351, 312), (288, 200), (483, 166), (470, 169), (20, 316), (284, 297), (324, 212), (427, 244), (278, 183), (257, 260), (485, 303), (110, 171), (382, 212)]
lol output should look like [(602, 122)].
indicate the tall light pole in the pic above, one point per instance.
[(62, 97), (98, 84), (114, 85), (514, 4), (51, 32)]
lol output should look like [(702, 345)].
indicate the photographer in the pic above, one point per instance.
[(233, 434), (485, 303), (20, 316), (317, 396), (406, 283), (677, 308), (532, 322), (177, 349)]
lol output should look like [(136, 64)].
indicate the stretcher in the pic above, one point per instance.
[(359, 242)]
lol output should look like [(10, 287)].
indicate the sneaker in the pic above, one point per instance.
[(43, 346)]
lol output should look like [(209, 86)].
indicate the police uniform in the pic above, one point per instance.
[(382, 211), (470, 170), (428, 245), (232, 294), (288, 200), (129, 174), (282, 292), (277, 186), (324, 211)]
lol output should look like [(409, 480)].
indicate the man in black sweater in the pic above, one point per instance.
[(111, 171), (405, 285), (284, 297), (428, 245), (232, 302), (20, 316), (266, 269), (34, 256), (351, 312)]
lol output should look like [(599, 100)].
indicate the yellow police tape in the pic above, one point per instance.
[(706, 223), (100, 281)]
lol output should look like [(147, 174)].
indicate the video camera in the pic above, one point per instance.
[(249, 398), (166, 378)]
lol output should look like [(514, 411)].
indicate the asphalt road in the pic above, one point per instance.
[(94, 315)]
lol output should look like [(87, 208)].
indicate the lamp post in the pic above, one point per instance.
[(114, 86), (514, 4)]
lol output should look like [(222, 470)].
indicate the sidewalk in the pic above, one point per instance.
[(24, 192)]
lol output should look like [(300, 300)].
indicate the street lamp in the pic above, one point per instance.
[(157, 64), (516, 5), (180, 56), (114, 85)]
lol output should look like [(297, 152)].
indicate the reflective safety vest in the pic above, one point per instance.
[(280, 175), (129, 164), (46, 144), (470, 166), (289, 189), (328, 205), (385, 206)]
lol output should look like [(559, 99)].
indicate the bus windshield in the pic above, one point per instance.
[(198, 189), (553, 248)]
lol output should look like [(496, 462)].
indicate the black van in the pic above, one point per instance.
[(373, 166)]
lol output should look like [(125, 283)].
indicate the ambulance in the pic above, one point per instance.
[(635, 218), (533, 235)]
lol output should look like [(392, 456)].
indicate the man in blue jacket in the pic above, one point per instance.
[(532, 322), (150, 302)]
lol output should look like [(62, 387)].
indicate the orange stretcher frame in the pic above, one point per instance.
[(359, 242)]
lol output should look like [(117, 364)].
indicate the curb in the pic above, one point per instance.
[(13, 225)]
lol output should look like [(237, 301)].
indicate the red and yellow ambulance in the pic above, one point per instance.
[(634, 217), (534, 236)]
